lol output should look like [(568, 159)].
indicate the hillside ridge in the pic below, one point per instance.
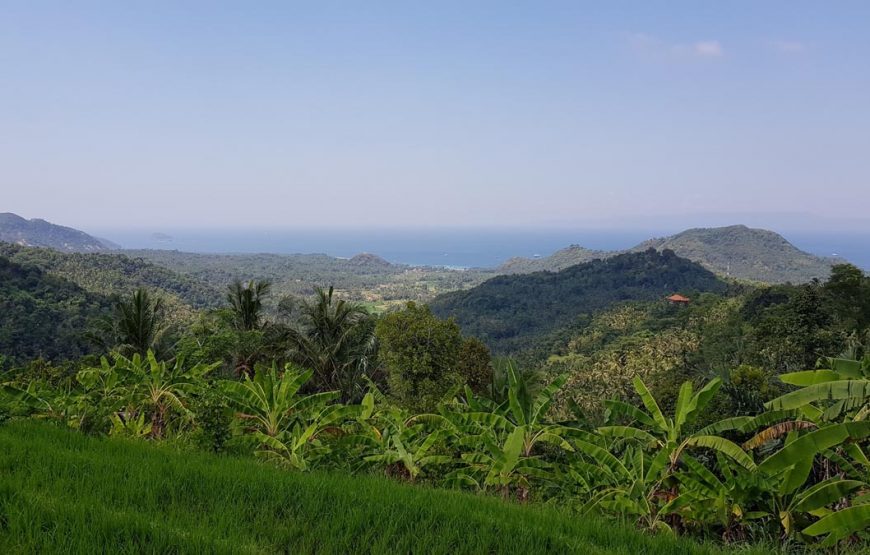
[(41, 233), (110, 274), (736, 251)]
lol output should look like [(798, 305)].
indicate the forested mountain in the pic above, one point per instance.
[(40, 233), (509, 312), (735, 251), (116, 274), (43, 315)]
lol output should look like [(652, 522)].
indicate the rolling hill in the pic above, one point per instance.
[(737, 251), (508, 312), (115, 274), (559, 260), (40, 233), (744, 253)]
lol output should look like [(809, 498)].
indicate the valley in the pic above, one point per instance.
[(532, 382)]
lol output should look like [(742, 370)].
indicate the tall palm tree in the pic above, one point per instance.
[(137, 325), (336, 341), (246, 303)]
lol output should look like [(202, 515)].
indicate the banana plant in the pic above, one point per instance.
[(739, 496), (157, 388), (524, 414), (165, 387), (623, 486), (668, 436), (823, 426), (130, 427), (64, 405), (500, 440), (410, 443), (302, 443), (840, 392), (285, 424), (502, 465), (800, 441), (843, 523), (652, 452), (105, 392), (792, 466), (726, 498)]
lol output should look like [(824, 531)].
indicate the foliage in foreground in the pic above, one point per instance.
[(62, 492), (795, 473)]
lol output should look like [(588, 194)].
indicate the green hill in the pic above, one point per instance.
[(43, 315), (559, 260), (509, 312), (111, 274), (64, 492), (744, 253), (735, 251), (40, 233)]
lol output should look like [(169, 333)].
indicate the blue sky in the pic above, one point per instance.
[(328, 114)]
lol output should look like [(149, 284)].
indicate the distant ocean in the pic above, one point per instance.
[(458, 248)]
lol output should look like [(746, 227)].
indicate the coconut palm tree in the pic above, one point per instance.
[(246, 303), (335, 340), (137, 325)]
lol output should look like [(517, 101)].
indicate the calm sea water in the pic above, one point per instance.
[(453, 248)]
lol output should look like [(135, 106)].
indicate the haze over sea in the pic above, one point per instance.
[(459, 248)]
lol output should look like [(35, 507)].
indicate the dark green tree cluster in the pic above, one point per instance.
[(513, 312), (43, 315), (426, 358)]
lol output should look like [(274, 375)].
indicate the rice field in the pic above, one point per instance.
[(64, 492)]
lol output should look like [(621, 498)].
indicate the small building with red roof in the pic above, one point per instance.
[(676, 298)]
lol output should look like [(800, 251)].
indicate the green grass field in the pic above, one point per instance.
[(61, 491)]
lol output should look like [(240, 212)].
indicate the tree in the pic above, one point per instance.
[(137, 325), (246, 304), (335, 340), (849, 290), (475, 365), (793, 334), (421, 356)]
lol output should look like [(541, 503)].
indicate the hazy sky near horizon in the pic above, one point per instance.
[(240, 114)]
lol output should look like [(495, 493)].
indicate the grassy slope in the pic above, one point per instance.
[(61, 491)]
